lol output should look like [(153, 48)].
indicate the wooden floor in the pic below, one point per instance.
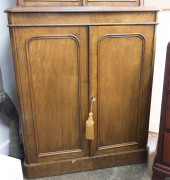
[(131, 172)]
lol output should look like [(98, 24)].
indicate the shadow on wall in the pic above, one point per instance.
[(6, 105), (6, 61), (6, 64), (4, 120)]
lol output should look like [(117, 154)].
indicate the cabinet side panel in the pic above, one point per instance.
[(19, 92)]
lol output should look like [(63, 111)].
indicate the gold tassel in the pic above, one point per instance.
[(90, 127), (90, 124)]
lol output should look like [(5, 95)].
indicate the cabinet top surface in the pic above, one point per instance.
[(81, 9)]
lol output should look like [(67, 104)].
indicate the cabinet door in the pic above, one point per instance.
[(120, 79), (53, 77)]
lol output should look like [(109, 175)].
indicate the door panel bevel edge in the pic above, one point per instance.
[(33, 107), (99, 148)]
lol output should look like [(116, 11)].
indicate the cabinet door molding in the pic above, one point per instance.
[(58, 87), (118, 72)]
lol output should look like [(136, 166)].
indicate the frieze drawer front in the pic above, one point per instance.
[(84, 79)]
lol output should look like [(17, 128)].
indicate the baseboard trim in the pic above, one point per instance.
[(4, 148), (161, 169), (37, 170)]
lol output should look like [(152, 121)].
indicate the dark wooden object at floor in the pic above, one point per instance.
[(161, 166), (63, 56)]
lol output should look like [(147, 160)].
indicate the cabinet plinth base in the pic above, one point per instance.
[(37, 170), (160, 171)]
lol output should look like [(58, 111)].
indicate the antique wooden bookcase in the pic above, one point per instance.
[(67, 51)]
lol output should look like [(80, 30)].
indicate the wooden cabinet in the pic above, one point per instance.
[(161, 165), (65, 56)]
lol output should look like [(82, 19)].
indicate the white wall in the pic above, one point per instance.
[(6, 65), (163, 37), (162, 4)]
